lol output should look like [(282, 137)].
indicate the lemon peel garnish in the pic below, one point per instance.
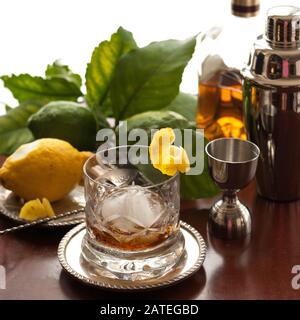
[(167, 158)]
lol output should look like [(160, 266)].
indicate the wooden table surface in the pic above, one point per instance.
[(259, 269)]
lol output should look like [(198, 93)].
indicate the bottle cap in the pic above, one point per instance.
[(245, 8)]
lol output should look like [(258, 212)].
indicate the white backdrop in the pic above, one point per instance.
[(36, 32)]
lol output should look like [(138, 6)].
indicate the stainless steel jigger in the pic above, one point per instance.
[(232, 163)]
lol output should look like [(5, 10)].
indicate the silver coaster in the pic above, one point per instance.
[(69, 255), (10, 206)]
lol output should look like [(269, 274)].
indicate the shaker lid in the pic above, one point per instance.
[(275, 57), (283, 27), (245, 8)]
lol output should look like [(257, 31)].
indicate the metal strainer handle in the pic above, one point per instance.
[(42, 221)]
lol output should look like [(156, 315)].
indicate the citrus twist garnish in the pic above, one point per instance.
[(166, 157)]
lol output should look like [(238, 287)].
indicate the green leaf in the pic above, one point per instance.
[(198, 186), (7, 108), (13, 127), (26, 87), (148, 78), (103, 64), (191, 187), (150, 174), (184, 104), (100, 119), (106, 107), (11, 140), (58, 70)]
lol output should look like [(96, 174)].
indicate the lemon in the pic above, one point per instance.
[(46, 168), (35, 209)]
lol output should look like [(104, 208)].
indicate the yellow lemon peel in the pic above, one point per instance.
[(37, 209), (166, 157)]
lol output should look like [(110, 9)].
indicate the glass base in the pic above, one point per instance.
[(133, 265)]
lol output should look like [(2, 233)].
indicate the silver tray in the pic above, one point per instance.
[(69, 255), (10, 206)]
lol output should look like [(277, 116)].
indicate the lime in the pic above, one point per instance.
[(67, 121), (157, 120)]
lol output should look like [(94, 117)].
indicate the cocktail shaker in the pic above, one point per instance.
[(271, 95)]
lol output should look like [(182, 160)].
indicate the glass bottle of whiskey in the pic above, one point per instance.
[(224, 53)]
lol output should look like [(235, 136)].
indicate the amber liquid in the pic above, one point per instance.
[(127, 241), (220, 106)]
